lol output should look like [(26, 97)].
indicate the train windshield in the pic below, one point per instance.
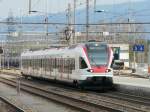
[(97, 53)]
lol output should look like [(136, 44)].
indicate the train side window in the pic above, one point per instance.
[(82, 63)]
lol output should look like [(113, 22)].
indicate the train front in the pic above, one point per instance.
[(98, 59)]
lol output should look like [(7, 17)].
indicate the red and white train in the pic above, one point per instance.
[(82, 64)]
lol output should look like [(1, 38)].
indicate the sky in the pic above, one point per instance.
[(20, 7)]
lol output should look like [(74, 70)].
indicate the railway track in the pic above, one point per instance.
[(86, 101), (16, 108), (128, 97), (61, 97)]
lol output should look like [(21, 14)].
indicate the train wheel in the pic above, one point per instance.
[(75, 83)]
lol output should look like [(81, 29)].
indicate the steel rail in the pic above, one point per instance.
[(128, 97), (17, 108)]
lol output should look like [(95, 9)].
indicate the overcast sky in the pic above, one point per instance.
[(20, 7)]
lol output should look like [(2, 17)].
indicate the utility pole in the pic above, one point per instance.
[(29, 6), (69, 15), (46, 22), (74, 21), (94, 5), (68, 31), (87, 20), (46, 18)]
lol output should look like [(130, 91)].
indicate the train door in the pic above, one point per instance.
[(68, 68), (61, 67), (72, 67), (38, 66), (53, 66), (76, 67), (43, 66), (56, 68), (64, 68)]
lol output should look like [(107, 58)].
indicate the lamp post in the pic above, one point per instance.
[(87, 20), (29, 6), (74, 21), (99, 11)]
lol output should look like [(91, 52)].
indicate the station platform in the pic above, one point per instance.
[(132, 85), (133, 81)]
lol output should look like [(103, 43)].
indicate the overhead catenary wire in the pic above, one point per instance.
[(80, 24)]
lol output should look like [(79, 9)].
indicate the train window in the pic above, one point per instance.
[(27, 63), (39, 63), (47, 64), (51, 68), (56, 62), (24, 63), (44, 63), (36, 64), (72, 64), (61, 65), (52, 62), (68, 67), (31, 63), (82, 63)]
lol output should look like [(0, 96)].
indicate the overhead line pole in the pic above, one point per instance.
[(74, 21), (87, 20), (94, 5), (29, 6)]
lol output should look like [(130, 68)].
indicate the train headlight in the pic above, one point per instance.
[(108, 70), (90, 70)]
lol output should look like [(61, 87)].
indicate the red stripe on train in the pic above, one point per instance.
[(99, 69)]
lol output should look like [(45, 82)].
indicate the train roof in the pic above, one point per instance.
[(55, 51)]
